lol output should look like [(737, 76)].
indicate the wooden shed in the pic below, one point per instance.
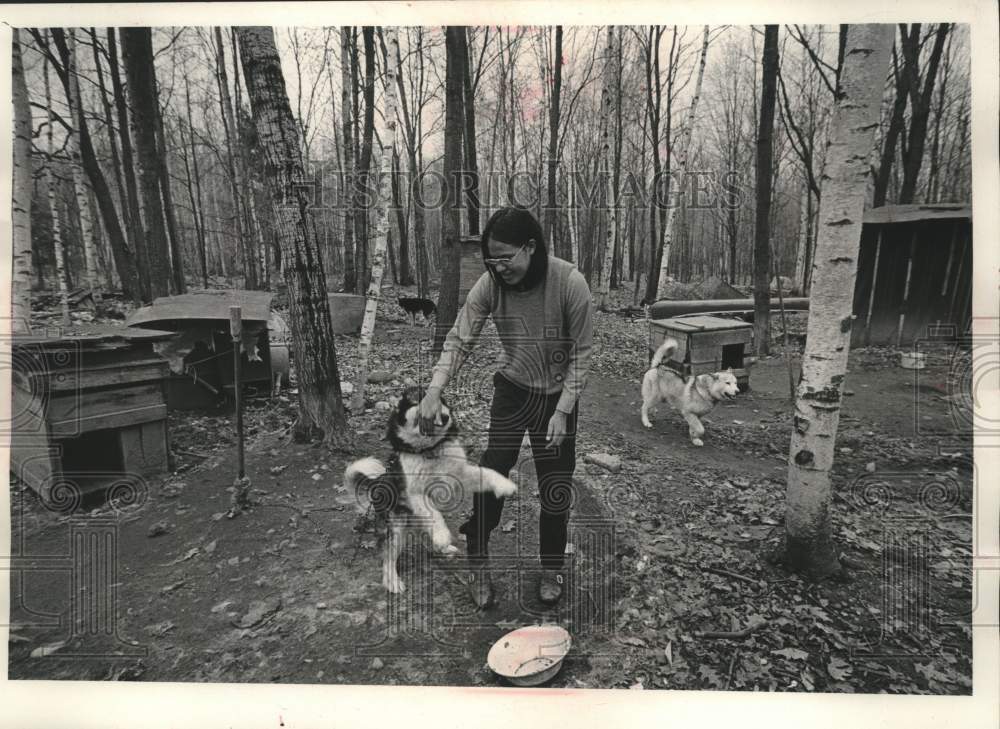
[(914, 274)]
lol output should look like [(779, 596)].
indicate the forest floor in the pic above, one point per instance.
[(673, 549)]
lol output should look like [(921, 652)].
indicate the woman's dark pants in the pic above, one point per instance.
[(514, 411)]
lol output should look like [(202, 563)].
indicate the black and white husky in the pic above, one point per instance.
[(423, 468)]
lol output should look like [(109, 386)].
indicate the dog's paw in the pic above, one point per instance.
[(647, 423), (505, 487), (698, 441), (449, 551), (394, 585), (441, 540)]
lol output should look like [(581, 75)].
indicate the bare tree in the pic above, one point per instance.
[(903, 77), (134, 217), (607, 107), (471, 166), (350, 178), (362, 201), (913, 153), (50, 179), (809, 546), (313, 347), (762, 228), (22, 188), (137, 51), (82, 202), (381, 233), (447, 306), (236, 182), (551, 219), (682, 159)]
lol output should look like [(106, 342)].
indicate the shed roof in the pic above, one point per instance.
[(888, 214), (256, 306), (89, 335)]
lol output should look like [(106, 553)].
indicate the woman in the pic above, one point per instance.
[(541, 306)]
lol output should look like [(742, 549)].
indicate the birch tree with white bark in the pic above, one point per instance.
[(682, 160), (21, 276), (50, 182), (382, 225), (607, 106), (809, 546)]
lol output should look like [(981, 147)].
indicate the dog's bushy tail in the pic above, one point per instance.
[(664, 350), (358, 478)]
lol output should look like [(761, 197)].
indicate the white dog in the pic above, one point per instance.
[(694, 398), (421, 467)]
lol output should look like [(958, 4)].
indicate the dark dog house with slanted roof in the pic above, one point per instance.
[(201, 356), (914, 276)]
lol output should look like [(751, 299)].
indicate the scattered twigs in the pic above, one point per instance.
[(732, 667), (731, 634), (733, 575)]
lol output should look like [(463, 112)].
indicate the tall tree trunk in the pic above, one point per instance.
[(556, 243), (661, 177), (140, 263), (236, 185), (350, 176), (362, 199), (313, 345), (50, 182), (404, 272), (194, 192), (809, 545), (610, 198), (909, 50), (83, 204), (256, 248), (762, 227), (616, 258), (447, 306), (22, 189), (682, 158), (471, 163), (571, 212), (918, 120), (411, 137), (163, 172), (137, 52), (116, 163), (381, 231)]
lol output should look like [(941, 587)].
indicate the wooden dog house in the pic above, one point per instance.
[(705, 344), (89, 407)]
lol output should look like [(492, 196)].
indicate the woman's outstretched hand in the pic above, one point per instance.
[(430, 411)]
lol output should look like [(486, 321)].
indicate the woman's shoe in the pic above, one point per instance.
[(550, 587), (480, 588)]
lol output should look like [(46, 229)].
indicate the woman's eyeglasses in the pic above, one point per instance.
[(505, 261)]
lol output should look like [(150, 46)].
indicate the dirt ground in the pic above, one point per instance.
[(672, 581)]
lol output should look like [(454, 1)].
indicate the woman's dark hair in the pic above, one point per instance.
[(516, 226)]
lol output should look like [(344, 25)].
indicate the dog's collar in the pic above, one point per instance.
[(428, 452)]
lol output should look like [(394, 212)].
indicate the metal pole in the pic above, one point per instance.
[(236, 330)]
